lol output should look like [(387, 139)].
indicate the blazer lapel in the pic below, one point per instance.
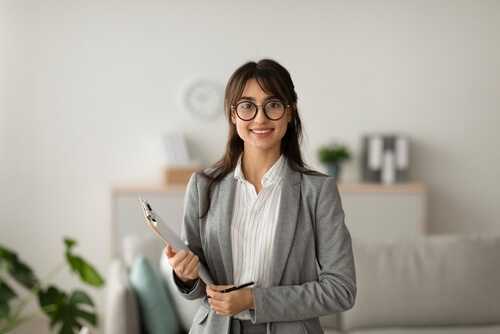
[(287, 222), (225, 203), (285, 229)]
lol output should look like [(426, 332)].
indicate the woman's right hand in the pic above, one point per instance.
[(186, 265)]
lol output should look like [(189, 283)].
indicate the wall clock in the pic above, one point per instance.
[(203, 99)]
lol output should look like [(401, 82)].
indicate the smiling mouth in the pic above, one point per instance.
[(261, 132)]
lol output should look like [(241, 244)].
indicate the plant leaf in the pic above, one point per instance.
[(87, 316), (4, 309), (52, 303), (67, 329), (83, 300), (6, 293), (87, 273), (20, 271), (70, 243), (80, 297), (70, 309)]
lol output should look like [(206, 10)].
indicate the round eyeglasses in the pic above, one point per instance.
[(246, 111)]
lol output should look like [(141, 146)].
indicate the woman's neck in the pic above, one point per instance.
[(256, 164)]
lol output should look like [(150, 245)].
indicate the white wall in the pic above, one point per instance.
[(88, 88)]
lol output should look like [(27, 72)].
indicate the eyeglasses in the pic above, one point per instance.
[(247, 111)]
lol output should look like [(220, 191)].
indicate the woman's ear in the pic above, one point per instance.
[(233, 116)]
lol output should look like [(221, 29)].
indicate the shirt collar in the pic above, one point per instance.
[(273, 175)]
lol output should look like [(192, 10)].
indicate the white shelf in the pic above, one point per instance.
[(378, 211)]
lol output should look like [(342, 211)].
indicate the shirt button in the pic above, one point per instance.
[(254, 212)]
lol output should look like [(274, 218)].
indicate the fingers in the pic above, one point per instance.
[(212, 289), (185, 264), (231, 303), (218, 301), (169, 252), (217, 288)]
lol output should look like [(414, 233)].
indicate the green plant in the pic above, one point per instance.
[(333, 152), (64, 310)]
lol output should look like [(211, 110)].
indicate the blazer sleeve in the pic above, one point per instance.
[(330, 289), (190, 234)]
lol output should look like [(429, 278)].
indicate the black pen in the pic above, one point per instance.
[(237, 287)]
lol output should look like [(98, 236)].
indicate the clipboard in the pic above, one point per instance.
[(169, 237)]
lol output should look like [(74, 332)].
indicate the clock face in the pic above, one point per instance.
[(203, 99)]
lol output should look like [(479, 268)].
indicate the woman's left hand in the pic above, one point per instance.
[(229, 303)]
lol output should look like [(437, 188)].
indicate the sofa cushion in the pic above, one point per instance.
[(187, 309), (157, 311), (329, 321), (121, 313), (440, 280), (330, 331)]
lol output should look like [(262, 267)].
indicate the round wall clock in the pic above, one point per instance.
[(203, 99)]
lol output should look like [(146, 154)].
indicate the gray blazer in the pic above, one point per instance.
[(312, 262)]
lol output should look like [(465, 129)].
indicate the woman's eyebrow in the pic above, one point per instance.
[(246, 98), (249, 98)]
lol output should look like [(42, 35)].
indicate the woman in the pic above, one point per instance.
[(259, 215)]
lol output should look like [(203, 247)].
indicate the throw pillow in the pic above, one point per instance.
[(188, 308), (122, 311), (156, 308)]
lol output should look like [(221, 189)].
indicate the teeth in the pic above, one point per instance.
[(261, 131)]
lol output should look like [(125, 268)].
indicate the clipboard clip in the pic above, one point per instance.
[(165, 233), (150, 215)]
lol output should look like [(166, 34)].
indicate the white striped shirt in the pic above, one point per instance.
[(253, 226)]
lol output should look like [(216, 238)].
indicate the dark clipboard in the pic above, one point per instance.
[(169, 237)]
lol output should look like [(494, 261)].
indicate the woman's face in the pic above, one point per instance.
[(260, 133)]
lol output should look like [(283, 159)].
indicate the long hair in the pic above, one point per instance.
[(275, 80)]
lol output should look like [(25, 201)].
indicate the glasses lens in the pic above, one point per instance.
[(246, 110), (274, 110)]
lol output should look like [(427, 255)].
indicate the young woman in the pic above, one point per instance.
[(259, 215)]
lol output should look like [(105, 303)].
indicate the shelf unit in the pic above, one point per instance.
[(377, 211), (372, 210)]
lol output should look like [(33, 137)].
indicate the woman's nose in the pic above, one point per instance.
[(261, 115)]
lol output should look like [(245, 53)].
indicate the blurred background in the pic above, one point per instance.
[(88, 90)]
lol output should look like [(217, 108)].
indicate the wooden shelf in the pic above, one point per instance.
[(351, 188), (141, 188), (378, 188), (372, 210)]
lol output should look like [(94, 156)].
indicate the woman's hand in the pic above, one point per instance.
[(186, 265), (229, 303)]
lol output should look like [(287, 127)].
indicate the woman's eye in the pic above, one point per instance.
[(245, 106)]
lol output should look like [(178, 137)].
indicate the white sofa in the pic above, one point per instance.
[(431, 285)]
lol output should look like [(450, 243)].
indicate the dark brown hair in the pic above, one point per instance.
[(275, 80)]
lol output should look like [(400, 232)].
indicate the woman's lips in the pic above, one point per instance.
[(261, 131)]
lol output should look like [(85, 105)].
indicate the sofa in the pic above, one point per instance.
[(434, 284)]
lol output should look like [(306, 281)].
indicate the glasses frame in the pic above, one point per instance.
[(263, 107)]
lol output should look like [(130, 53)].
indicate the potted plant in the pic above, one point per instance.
[(65, 310), (332, 155)]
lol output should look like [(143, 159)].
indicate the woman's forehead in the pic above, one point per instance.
[(266, 85)]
